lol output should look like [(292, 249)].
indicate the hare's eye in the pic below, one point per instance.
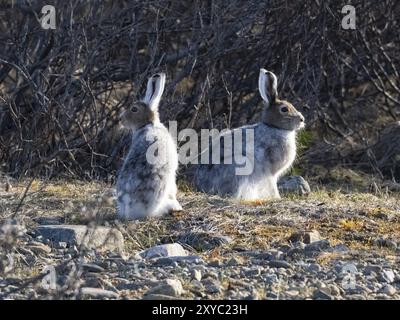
[(134, 109), (284, 109)]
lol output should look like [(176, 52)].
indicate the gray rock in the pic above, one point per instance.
[(305, 236), (253, 272), (313, 267), (348, 268), (389, 290), (196, 274), (100, 238), (279, 264), (270, 278), (372, 268), (169, 287), (323, 294), (294, 184), (233, 262), (91, 267), (387, 276), (98, 293), (163, 250), (211, 285)]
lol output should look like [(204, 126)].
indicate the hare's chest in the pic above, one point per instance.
[(288, 153), (277, 156)]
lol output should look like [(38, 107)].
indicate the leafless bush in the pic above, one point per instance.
[(62, 90)]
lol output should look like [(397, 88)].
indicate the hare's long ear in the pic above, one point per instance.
[(154, 91), (267, 85)]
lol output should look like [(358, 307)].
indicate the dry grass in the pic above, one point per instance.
[(353, 219)]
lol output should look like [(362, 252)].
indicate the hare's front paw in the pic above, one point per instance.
[(175, 205)]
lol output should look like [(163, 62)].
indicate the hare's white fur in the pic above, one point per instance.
[(273, 152), (148, 188)]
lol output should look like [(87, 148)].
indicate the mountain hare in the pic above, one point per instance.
[(270, 151), (146, 184)]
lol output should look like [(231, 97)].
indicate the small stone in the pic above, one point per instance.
[(196, 274), (389, 290), (62, 245), (306, 237), (279, 264), (294, 184), (270, 278), (97, 237), (233, 262), (254, 272), (372, 268), (91, 267), (212, 286), (323, 294), (387, 276), (98, 293), (348, 268), (163, 250), (169, 287), (313, 267), (292, 293)]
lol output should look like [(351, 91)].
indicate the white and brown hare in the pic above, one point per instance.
[(146, 185), (270, 150)]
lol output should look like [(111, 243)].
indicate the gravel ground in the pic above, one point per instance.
[(327, 245)]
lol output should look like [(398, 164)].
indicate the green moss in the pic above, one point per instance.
[(305, 139)]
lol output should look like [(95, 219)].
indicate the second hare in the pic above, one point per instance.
[(270, 155), (146, 184)]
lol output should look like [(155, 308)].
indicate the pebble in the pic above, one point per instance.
[(323, 294), (163, 250), (313, 267), (196, 274), (91, 267), (211, 285), (98, 293), (387, 276), (389, 290), (169, 287), (254, 272), (279, 264), (306, 237)]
